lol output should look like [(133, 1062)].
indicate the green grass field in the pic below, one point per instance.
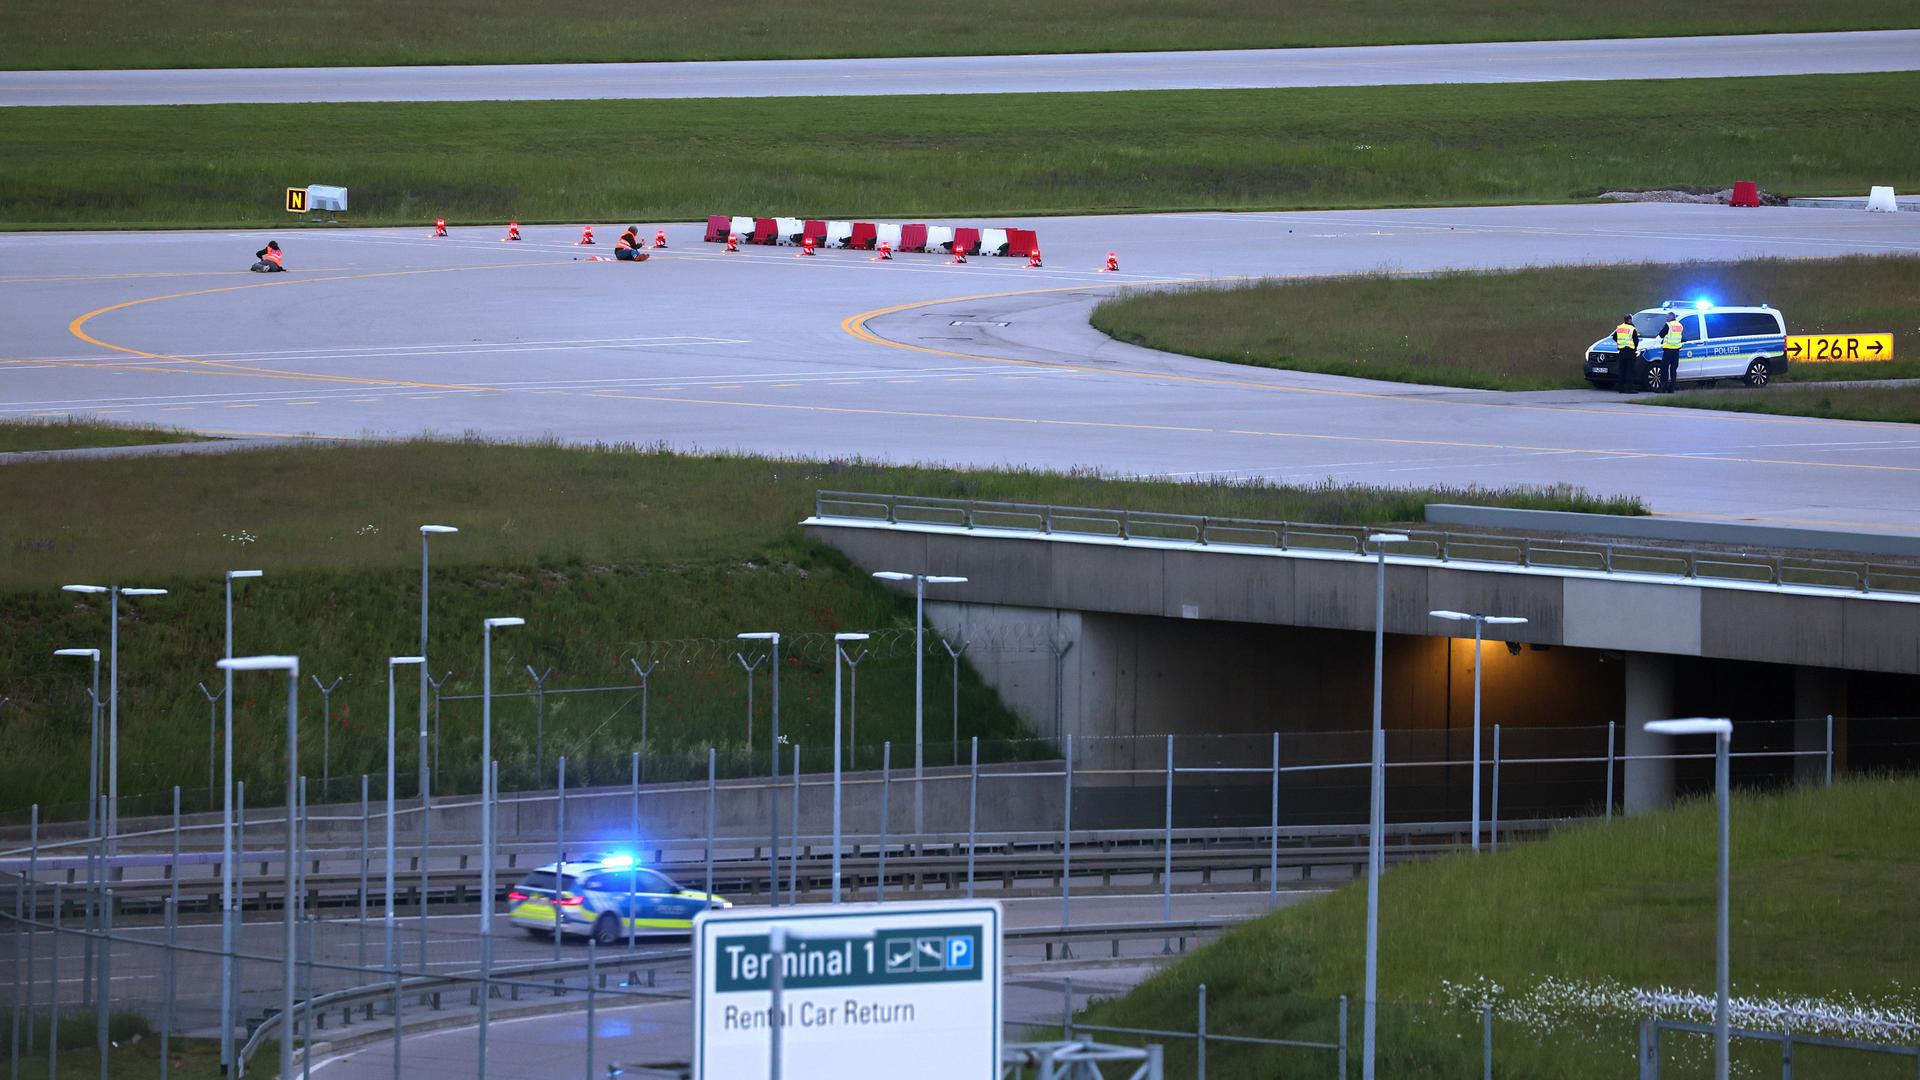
[(1559, 934), (604, 161), (232, 33), (1892, 404), (133, 1053), (1519, 330), (70, 434), (601, 550)]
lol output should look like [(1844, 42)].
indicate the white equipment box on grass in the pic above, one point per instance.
[(326, 197), (909, 989)]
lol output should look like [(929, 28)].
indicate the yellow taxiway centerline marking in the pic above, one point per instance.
[(76, 328), (856, 326), (1302, 435)]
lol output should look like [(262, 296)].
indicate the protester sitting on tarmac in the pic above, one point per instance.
[(628, 245), (267, 259)]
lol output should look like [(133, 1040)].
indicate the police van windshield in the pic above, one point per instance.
[(1650, 323)]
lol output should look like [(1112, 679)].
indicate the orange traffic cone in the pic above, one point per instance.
[(1113, 263), (959, 253), (806, 246), (733, 241), (660, 238), (886, 252), (1033, 259), (586, 235), (513, 231), (439, 226)]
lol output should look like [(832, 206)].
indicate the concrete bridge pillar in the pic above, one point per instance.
[(1817, 694), (1648, 784)]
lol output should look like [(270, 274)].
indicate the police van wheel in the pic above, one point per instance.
[(1656, 380), (606, 930), (1758, 373)]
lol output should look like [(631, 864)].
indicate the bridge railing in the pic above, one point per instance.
[(1561, 553)]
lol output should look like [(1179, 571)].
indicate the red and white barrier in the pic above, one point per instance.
[(870, 235)]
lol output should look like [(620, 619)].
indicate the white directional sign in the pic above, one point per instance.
[(909, 989)]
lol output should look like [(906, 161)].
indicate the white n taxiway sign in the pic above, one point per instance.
[(907, 989)]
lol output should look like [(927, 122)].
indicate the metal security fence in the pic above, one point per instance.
[(1321, 1058), (131, 921), (1855, 1055)]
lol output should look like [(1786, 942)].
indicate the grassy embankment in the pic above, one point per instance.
[(72, 434), (133, 1055), (952, 155), (228, 33), (1558, 934), (601, 550), (1529, 329)]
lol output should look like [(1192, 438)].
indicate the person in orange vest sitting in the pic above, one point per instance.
[(267, 259), (628, 245)]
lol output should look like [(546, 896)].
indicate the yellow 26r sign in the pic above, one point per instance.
[(1839, 348)]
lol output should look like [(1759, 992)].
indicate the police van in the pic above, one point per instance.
[(607, 897), (1745, 343)]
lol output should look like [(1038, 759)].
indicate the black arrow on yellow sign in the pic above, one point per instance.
[(1793, 349)]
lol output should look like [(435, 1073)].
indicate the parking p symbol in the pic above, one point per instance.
[(960, 953)]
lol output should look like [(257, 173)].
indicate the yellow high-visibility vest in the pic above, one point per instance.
[(1624, 335), (1672, 340)]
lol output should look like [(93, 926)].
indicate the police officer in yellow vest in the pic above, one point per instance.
[(1627, 340), (1670, 354)]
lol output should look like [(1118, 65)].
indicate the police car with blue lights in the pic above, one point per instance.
[(1716, 342), (605, 897)]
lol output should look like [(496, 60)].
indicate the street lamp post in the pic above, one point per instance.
[(392, 663), (839, 654), (291, 902), (1376, 808), (772, 637), (93, 803), (1722, 731), (228, 929), (920, 583), (113, 699), (486, 821), (421, 766), (1480, 622)]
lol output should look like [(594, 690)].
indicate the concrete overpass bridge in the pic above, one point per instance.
[(1152, 624)]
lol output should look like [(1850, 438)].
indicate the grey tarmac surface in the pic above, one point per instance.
[(651, 1032), (389, 333), (539, 1046), (1520, 61)]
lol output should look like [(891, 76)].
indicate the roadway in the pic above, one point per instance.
[(648, 1032), (1384, 65), (387, 332)]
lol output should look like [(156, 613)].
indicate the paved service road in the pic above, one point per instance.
[(387, 332), (1520, 61), (632, 1036)]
